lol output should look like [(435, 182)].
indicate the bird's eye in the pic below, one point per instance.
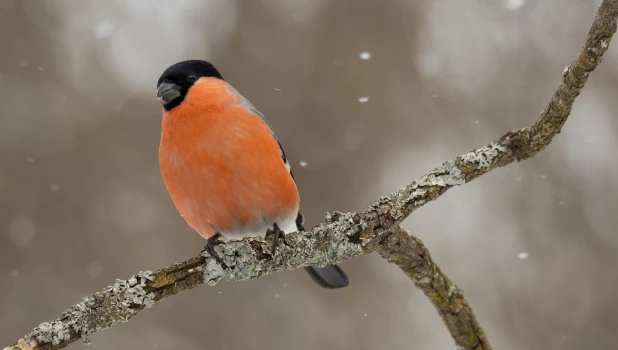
[(191, 78)]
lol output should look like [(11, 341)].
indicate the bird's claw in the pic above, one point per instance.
[(278, 234), (210, 248)]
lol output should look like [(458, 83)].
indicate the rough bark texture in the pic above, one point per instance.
[(344, 235), (411, 255)]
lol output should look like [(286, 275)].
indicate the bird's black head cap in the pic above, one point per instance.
[(175, 82)]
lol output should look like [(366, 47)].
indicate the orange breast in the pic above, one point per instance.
[(221, 164)]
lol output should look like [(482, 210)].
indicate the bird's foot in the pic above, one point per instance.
[(210, 248), (278, 234)]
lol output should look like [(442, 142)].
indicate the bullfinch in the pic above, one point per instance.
[(222, 164)]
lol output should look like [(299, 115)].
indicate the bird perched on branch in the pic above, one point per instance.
[(222, 164)]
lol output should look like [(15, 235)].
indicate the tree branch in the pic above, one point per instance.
[(413, 258), (344, 235)]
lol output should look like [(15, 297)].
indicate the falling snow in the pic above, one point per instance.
[(365, 55), (23, 63), (277, 296), (561, 203), (54, 187), (14, 273), (523, 255), (303, 163), (30, 160), (363, 99), (277, 89), (543, 176)]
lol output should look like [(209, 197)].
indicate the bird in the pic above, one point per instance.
[(222, 164)]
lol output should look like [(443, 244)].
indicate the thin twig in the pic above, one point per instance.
[(341, 235)]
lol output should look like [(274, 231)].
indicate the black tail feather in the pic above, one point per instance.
[(330, 276)]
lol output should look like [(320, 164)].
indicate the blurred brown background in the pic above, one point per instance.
[(534, 245)]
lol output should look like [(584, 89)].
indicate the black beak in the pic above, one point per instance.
[(167, 92)]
